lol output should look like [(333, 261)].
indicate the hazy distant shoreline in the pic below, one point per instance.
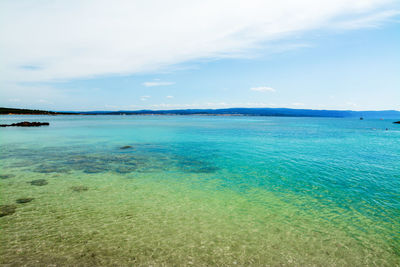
[(277, 112)]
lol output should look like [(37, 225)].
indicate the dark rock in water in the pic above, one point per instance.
[(7, 210), (51, 168), (26, 124), (398, 122), (125, 169), (200, 169), (24, 200), (196, 166), (6, 176), (125, 147), (79, 188), (207, 169), (38, 182), (94, 169)]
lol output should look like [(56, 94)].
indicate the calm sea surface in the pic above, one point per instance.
[(198, 190)]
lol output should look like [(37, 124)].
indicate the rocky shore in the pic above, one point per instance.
[(26, 124)]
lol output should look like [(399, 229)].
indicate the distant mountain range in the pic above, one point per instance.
[(280, 112)]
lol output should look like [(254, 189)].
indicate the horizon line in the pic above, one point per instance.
[(178, 109)]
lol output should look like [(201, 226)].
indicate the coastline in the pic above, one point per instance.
[(262, 112)]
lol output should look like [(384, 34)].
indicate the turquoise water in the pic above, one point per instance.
[(199, 190)]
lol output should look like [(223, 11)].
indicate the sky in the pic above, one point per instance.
[(132, 55)]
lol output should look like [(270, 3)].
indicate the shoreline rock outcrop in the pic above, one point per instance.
[(26, 124)]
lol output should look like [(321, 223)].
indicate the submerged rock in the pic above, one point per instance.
[(6, 176), (51, 168), (24, 200), (206, 169), (79, 188), (38, 182), (125, 147), (125, 169), (26, 124), (199, 169), (7, 209), (95, 169)]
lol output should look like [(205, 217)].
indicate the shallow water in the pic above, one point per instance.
[(195, 190)]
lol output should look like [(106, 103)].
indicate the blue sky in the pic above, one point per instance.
[(346, 58)]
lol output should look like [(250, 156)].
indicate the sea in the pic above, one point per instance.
[(111, 190)]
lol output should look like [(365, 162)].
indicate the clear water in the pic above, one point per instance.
[(196, 190)]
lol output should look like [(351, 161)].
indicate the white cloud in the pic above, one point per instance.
[(57, 40), (29, 95), (370, 21), (263, 89), (152, 84), (169, 96), (111, 106), (144, 97), (351, 104), (298, 104)]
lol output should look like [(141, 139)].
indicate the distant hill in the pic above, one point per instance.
[(282, 112)]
